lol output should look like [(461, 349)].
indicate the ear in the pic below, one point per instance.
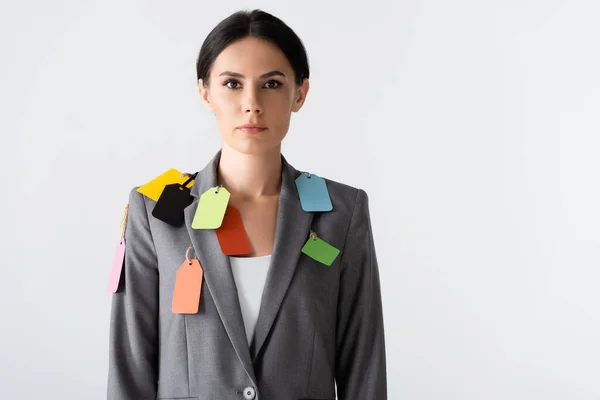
[(205, 95), (301, 93)]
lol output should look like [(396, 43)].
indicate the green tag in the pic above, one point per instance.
[(320, 250), (211, 208)]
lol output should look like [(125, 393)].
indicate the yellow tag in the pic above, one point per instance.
[(154, 188), (211, 208)]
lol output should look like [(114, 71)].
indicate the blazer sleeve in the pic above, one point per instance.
[(360, 367), (133, 338)]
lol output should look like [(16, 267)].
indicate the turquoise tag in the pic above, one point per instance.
[(314, 195)]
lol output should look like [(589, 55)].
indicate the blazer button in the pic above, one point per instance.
[(249, 393)]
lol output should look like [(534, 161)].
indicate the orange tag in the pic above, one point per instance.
[(232, 235), (188, 283)]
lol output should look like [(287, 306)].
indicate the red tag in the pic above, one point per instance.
[(232, 235), (188, 283)]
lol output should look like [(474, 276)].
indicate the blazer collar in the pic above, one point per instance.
[(291, 232)]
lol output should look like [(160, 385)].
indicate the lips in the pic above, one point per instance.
[(255, 126), (252, 130)]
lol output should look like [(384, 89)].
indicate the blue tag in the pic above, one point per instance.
[(314, 195)]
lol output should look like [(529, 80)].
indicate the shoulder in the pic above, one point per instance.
[(138, 204), (135, 196), (343, 190), (345, 197)]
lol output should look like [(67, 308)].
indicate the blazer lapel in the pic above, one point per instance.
[(217, 268), (291, 232)]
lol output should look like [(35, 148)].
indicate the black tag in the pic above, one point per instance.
[(173, 199)]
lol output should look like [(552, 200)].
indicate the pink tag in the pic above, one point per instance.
[(117, 266)]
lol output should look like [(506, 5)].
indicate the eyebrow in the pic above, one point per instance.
[(266, 75)]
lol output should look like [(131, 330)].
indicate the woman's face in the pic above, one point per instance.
[(239, 94)]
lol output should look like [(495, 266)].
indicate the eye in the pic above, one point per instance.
[(278, 84), (272, 84), (230, 81)]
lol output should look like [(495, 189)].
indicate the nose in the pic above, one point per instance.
[(253, 110), (251, 104)]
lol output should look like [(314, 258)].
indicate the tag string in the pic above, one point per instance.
[(123, 223), (313, 235), (186, 254), (191, 177)]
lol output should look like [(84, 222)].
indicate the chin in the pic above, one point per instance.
[(255, 147)]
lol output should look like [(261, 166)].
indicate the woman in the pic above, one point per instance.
[(289, 307)]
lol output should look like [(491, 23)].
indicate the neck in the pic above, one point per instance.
[(250, 176)]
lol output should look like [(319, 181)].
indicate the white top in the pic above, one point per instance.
[(250, 275)]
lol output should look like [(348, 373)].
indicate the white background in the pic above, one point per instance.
[(472, 125)]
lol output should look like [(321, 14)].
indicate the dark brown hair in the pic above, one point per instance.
[(258, 24)]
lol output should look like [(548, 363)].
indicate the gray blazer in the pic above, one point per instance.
[(318, 326)]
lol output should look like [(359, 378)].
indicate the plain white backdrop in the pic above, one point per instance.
[(473, 126)]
